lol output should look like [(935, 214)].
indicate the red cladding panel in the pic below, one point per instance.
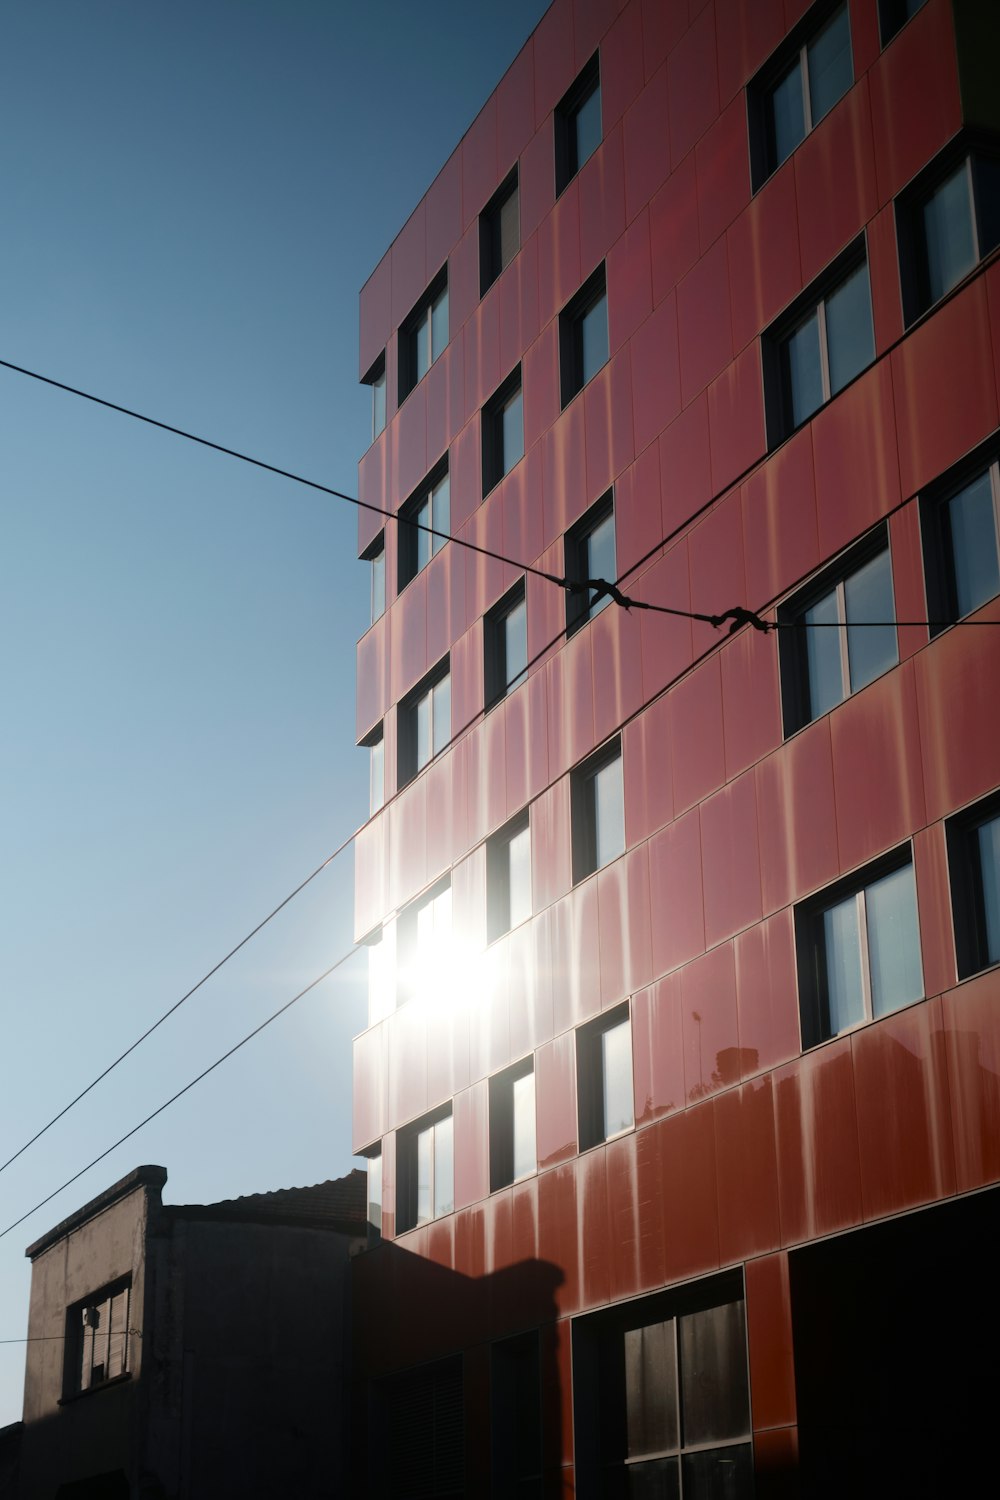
[(518, 291), (463, 280), (592, 1229), (445, 399), (638, 523), (731, 859), (764, 267), (621, 65), (877, 772), (439, 602), (554, 64), (766, 994), (570, 677), (564, 475), (658, 1049), (779, 521), (558, 237), (369, 1087), (591, 19), (736, 418), (479, 162), (648, 791), (797, 812), (883, 274), (623, 1217), (904, 1110), (908, 578), (675, 893), (558, 1232), (482, 353), (536, 181), (408, 636), (750, 706), (673, 228), (372, 491), (747, 35), (957, 704), (527, 742), (376, 313), (550, 845), (718, 577), (617, 639), (722, 159), (529, 954), (746, 1164), (696, 747), (444, 223), (409, 264), (703, 322), (857, 467), (937, 936), (407, 843), (685, 466), (630, 282), (819, 1169), (666, 639), (647, 144), (540, 383), (656, 373), (835, 181), (769, 1334), (486, 578), (651, 1207), (708, 1024), (576, 957), (472, 1145), (694, 84), (944, 387), (520, 508), (370, 876), (407, 1065), (602, 201), (916, 106), (515, 108), (971, 1018), (607, 403), (371, 678), (687, 1145), (626, 952), (663, 24)]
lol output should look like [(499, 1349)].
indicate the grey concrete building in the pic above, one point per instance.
[(190, 1351)]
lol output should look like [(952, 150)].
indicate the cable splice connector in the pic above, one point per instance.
[(740, 616)]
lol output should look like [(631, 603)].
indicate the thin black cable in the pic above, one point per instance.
[(181, 1092)]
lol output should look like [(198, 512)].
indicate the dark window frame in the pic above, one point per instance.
[(892, 19), (491, 246), (497, 682), (501, 1124), (793, 662), (495, 462), (498, 914), (810, 946), (779, 416), (582, 607), (408, 564), (375, 550), (375, 375), (591, 1123), (591, 294), (375, 736), (408, 376), (583, 808), (935, 531), (792, 52), (74, 1383), (407, 1169), (586, 83), (974, 149), (966, 883), (407, 749)]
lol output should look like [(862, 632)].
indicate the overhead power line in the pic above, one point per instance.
[(187, 1087)]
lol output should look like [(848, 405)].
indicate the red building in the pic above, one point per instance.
[(681, 1088)]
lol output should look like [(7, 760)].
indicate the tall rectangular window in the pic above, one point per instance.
[(376, 380), (577, 123), (605, 1093), (512, 1125), (815, 350), (502, 432), (375, 745), (974, 862), (798, 87), (499, 232), (590, 554), (425, 1166), (424, 335), (583, 336), (423, 723), (597, 810), (837, 634), (381, 947), (375, 1194), (97, 1332), (961, 535), (424, 944), (374, 556), (946, 222), (505, 645), (424, 524), (516, 1418), (859, 949), (508, 877)]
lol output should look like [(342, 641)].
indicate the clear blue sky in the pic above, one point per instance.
[(193, 193)]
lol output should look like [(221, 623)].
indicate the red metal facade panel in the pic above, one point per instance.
[(745, 1149)]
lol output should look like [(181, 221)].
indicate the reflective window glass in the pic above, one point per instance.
[(425, 1173), (844, 974), (616, 1052), (972, 534), (594, 339), (609, 811), (439, 323), (823, 655), (519, 854), (525, 1158), (377, 775), (804, 369), (988, 840), (442, 714), (831, 71), (949, 233), (715, 1397), (378, 403), (600, 557), (587, 127), (893, 941), (512, 431), (868, 596), (515, 627), (444, 1167), (788, 119), (378, 584), (651, 1389), (849, 334)]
